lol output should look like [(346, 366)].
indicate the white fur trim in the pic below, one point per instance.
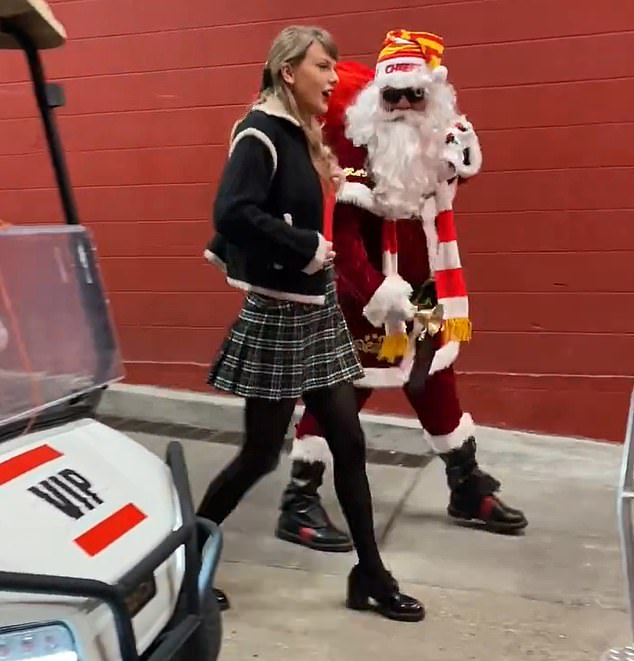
[(215, 260), (392, 294), (319, 258), (274, 293), (444, 357), (262, 137), (311, 449), (382, 377), (274, 107), (453, 440), (390, 377), (354, 192), (440, 73), (394, 73), (232, 135), (405, 79)]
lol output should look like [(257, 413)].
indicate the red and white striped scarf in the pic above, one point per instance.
[(445, 268), (450, 285)]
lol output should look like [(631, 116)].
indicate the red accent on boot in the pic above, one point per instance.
[(486, 507), (307, 534)]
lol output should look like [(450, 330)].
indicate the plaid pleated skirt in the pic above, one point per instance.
[(280, 349)]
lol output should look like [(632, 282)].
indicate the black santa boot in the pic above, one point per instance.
[(473, 492), (303, 519)]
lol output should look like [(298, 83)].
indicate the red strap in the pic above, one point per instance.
[(390, 239), (445, 226), (329, 209)]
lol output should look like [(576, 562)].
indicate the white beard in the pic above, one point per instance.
[(404, 149), (404, 161)]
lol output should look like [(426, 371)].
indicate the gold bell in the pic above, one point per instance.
[(431, 320)]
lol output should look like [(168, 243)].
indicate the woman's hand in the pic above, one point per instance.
[(330, 254), (323, 257)]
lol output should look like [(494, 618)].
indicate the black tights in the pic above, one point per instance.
[(266, 424)]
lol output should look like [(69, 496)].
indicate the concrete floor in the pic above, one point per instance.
[(556, 592)]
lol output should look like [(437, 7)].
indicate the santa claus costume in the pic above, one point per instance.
[(404, 149)]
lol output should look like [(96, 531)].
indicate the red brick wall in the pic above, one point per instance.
[(546, 231)]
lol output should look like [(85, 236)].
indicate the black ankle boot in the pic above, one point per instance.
[(473, 492), (384, 592), (303, 519), (223, 600)]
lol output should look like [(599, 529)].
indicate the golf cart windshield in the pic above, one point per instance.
[(56, 336), (57, 344)]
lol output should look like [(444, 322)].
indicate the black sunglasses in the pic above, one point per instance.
[(412, 94)]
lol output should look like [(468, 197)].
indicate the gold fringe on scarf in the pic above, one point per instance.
[(457, 330), (393, 347)]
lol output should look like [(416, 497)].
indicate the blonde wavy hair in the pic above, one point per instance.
[(290, 48)]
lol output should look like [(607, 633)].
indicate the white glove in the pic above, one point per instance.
[(402, 309), (390, 302), (460, 138), (453, 153)]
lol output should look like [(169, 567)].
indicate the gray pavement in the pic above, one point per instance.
[(556, 592)]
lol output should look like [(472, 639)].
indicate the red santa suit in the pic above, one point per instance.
[(380, 261), (360, 245)]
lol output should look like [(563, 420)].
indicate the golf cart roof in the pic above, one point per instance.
[(33, 18), (57, 341)]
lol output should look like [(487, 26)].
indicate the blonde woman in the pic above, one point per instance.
[(272, 217)]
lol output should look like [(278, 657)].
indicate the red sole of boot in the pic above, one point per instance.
[(301, 541)]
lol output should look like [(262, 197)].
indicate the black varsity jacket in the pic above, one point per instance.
[(268, 213)]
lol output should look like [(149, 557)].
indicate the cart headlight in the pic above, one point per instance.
[(50, 642)]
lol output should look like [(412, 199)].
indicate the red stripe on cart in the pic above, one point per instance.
[(101, 536), (26, 462)]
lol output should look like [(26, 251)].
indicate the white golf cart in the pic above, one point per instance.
[(103, 558), (625, 502)]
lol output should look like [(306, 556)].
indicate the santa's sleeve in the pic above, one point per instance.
[(359, 283), (358, 279)]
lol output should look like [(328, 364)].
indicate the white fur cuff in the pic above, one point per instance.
[(311, 449), (354, 192), (454, 439), (392, 295), (444, 357)]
